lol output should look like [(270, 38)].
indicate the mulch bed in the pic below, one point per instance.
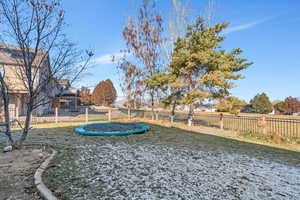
[(113, 127)]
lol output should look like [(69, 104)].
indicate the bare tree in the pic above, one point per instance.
[(42, 52), (5, 102), (209, 13), (131, 83), (143, 36), (180, 18), (177, 24)]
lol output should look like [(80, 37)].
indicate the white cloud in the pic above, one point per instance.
[(107, 59), (246, 26)]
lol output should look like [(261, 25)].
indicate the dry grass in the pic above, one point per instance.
[(254, 138), (246, 136)]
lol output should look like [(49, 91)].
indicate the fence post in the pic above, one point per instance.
[(221, 121), (264, 125), (172, 119), (56, 115), (86, 114), (17, 113), (156, 115), (109, 115), (190, 122), (129, 113)]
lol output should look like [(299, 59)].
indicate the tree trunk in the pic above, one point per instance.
[(7, 119), (134, 103), (173, 111), (173, 108), (27, 123), (6, 112), (190, 115), (152, 103)]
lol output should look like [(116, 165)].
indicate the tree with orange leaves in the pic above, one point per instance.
[(143, 37), (105, 93)]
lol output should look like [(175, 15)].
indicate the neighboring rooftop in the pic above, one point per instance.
[(12, 55)]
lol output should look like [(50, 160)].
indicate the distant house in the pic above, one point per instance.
[(198, 108), (247, 109), (205, 108), (66, 98), (10, 62), (84, 96)]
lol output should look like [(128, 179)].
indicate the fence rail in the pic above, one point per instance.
[(285, 127), (288, 128)]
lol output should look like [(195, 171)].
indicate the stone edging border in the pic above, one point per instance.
[(38, 182)]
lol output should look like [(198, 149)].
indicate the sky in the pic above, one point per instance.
[(267, 31)]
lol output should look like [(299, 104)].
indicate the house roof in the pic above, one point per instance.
[(70, 91), (63, 82), (12, 55)]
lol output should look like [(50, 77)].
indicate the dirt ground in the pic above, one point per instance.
[(16, 173)]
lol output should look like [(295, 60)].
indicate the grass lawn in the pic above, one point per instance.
[(166, 163)]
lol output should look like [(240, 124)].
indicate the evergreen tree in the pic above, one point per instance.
[(167, 83), (279, 107), (230, 104), (200, 68), (261, 104)]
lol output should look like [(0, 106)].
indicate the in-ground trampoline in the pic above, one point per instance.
[(112, 129)]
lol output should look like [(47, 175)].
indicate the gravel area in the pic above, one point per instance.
[(126, 171)]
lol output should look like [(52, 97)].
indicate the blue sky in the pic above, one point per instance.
[(267, 31)]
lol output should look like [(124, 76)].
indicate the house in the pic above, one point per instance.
[(10, 63), (66, 98), (205, 108), (85, 97), (247, 109), (198, 108)]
